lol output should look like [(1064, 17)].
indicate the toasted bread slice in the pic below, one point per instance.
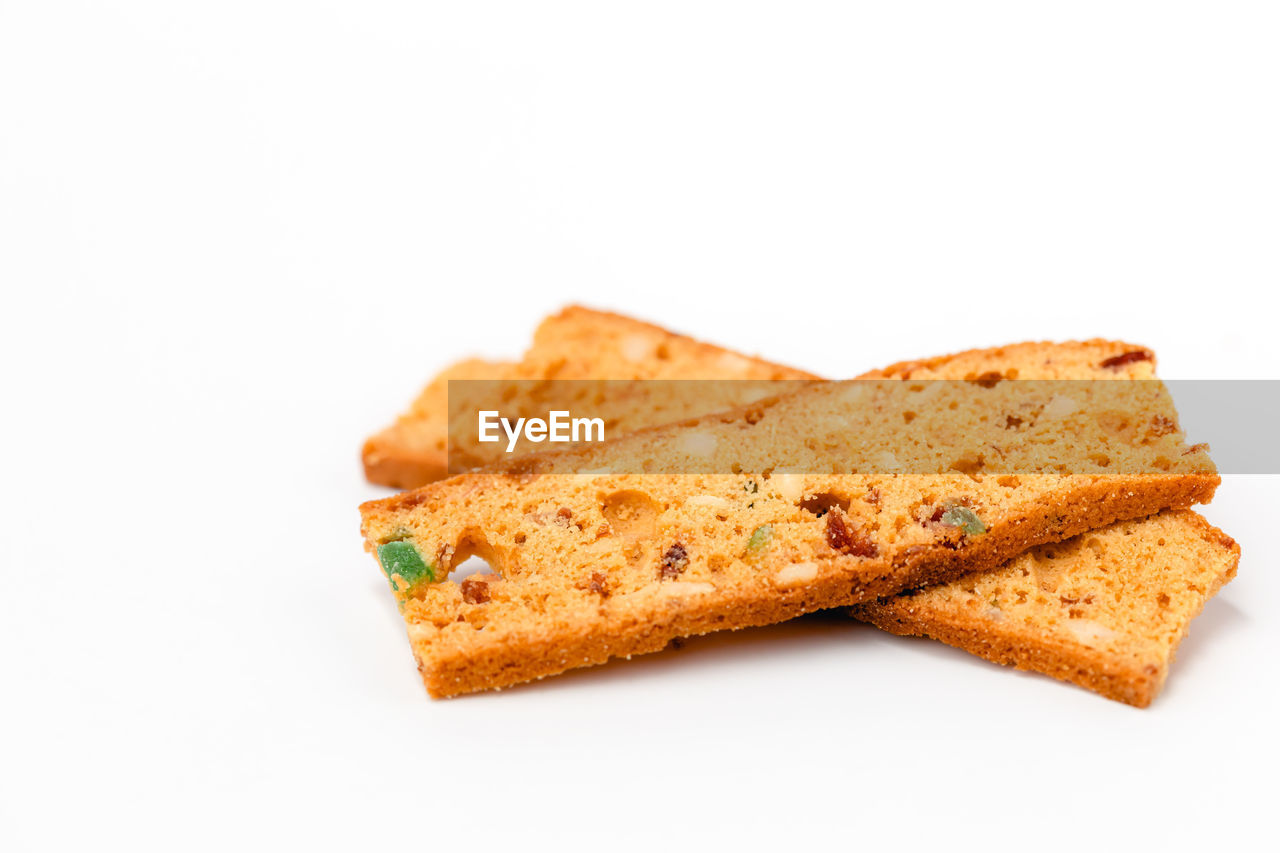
[(602, 565), (1105, 610), (577, 343)]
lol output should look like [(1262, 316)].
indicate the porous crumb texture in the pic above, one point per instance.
[(576, 344), (592, 566), (1105, 610)]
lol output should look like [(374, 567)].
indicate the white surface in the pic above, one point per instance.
[(235, 239)]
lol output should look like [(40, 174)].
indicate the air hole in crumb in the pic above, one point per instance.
[(821, 504), (471, 548), (969, 465), (470, 566), (630, 514)]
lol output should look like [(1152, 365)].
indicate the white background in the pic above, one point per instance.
[(236, 237)]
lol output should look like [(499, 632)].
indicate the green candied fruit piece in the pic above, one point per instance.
[(964, 518), (760, 538), (403, 565)]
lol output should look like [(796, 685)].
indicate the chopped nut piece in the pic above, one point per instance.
[(796, 574), (846, 540), (964, 518), (475, 589), (759, 538), (1161, 425), (887, 462), (698, 443), (673, 562), (1060, 406), (1089, 632), (681, 588), (790, 487), (636, 348)]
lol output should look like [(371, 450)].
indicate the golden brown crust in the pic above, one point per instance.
[(1105, 675), (1040, 360), (1125, 660), (586, 343)]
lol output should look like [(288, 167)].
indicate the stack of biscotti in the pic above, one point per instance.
[(598, 566)]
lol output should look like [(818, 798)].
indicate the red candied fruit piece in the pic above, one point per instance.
[(1126, 358)]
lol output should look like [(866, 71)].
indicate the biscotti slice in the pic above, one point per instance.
[(414, 450), (576, 344), (1105, 610), (592, 566), (583, 343)]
